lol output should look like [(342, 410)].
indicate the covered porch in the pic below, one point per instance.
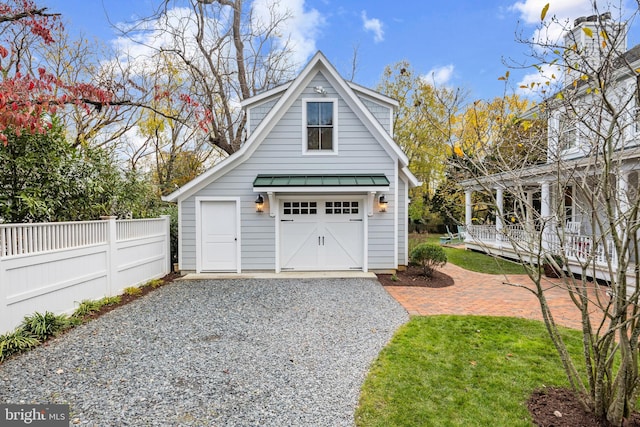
[(550, 215)]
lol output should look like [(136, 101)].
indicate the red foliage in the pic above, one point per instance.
[(26, 99)]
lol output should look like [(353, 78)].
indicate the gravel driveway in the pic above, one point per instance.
[(243, 352)]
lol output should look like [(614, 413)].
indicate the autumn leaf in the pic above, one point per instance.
[(545, 9), (588, 31), (458, 151)]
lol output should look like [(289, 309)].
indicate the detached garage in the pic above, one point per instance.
[(319, 185)]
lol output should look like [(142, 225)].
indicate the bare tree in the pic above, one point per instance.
[(228, 51), (571, 201)]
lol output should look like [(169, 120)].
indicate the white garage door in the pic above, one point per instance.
[(323, 234), (219, 240)]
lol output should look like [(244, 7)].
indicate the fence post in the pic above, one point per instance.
[(5, 325), (167, 237), (112, 251)]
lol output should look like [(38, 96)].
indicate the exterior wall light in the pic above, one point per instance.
[(382, 203), (260, 203)]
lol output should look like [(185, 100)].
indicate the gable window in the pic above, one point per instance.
[(320, 126)]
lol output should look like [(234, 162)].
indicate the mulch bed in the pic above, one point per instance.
[(126, 299), (559, 407), (414, 276)]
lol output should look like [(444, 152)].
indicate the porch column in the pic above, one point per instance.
[(468, 212), (529, 212), (545, 212), (623, 201), (499, 214)]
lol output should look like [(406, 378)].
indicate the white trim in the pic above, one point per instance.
[(276, 208), (405, 221), (412, 180), (396, 214), (180, 239), (334, 190), (370, 202), (247, 126), (265, 95), (198, 207), (334, 128), (380, 97)]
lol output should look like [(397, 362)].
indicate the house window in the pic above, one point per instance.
[(342, 208), (300, 208), (320, 126), (568, 132)]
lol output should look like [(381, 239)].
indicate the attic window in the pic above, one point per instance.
[(320, 126)]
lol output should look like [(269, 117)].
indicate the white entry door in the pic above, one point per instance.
[(218, 236), (322, 234)]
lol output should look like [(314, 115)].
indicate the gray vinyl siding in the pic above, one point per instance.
[(257, 113), (380, 112), (281, 152)]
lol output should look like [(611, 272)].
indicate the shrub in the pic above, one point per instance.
[(110, 300), (155, 283), (429, 256), (132, 291), (15, 342), (86, 307), (43, 326)]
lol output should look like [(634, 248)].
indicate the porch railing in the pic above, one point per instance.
[(576, 247)]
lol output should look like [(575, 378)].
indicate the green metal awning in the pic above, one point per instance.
[(331, 180)]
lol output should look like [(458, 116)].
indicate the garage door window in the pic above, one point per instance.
[(300, 208), (342, 208)]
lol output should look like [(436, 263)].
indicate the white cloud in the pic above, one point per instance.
[(559, 18), (439, 75), (530, 10), (374, 25), (300, 29)]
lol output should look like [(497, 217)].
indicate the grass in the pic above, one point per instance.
[(470, 260), (461, 371)]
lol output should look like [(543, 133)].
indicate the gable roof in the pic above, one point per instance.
[(290, 92)]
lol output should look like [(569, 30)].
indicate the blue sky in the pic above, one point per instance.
[(461, 42)]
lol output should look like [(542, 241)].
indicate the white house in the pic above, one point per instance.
[(596, 133), (320, 184)]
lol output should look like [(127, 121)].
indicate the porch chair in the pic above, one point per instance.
[(450, 237), (572, 227), (462, 232)]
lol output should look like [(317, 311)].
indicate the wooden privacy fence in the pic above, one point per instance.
[(54, 266)]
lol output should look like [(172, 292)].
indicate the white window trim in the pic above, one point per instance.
[(334, 150)]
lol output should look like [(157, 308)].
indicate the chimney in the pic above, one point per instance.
[(592, 50)]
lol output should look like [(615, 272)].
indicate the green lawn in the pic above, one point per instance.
[(470, 260), (460, 371)]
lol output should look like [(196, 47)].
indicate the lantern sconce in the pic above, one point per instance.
[(260, 203), (382, 203)]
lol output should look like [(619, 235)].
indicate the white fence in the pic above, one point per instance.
[(54, 266)]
